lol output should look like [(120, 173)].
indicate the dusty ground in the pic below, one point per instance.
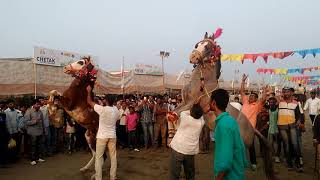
[(148, 165)]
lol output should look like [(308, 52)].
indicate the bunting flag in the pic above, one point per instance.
[(300, 78), (305, 52), (312, 82), (287, 71), (265, 56)]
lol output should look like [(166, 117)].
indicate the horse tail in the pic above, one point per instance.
[(267, 156)]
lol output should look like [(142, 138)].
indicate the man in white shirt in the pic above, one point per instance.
[(123, 112), (313, 104), (185, 143), (106, 136)]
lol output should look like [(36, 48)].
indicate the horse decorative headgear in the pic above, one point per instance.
[(207, 50), (82, 68)]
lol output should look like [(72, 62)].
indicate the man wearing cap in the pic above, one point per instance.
[(313, 104), (250, 108), (289, 117)]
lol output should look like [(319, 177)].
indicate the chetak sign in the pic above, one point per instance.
[(53, 57)]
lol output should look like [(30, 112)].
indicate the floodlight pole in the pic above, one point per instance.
[(163, 54)]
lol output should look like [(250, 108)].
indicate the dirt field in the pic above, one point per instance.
[(144, 165)]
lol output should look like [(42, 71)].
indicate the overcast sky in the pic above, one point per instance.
[(139, 29)]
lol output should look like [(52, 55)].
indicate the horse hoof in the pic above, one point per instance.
[(93, 177), (84, 169)]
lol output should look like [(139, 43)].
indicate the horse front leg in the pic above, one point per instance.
[(92, 160)]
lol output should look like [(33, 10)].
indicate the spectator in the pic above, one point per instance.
[(289, 113), (35, 128), (160, 125), (301, 90), (230, 157), (4, 136), (47, 134), (236, 103), (313, 104), (70, 131), (123, 112), (316, 138), (146, 120), (132, 122), (251, 107), (22, 125), (300, 126), (185, 143), (56, 118), (12, 115), (273, 132)]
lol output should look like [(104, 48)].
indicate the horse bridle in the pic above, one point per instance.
[(209, 58), (86, 70), (210, 54)]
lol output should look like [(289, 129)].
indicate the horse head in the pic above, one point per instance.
[(81, 69), (206, 51)]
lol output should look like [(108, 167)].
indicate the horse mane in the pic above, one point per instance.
[(218, 69)]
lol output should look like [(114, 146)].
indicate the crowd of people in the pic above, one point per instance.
[(37, 130), (28, 130), (281, 119)]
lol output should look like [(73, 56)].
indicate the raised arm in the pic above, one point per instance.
[(242, 88), (265, 93)]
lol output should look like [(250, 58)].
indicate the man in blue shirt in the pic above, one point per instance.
[(230, 158)]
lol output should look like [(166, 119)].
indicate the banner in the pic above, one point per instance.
[(53, 57), (148, 69)]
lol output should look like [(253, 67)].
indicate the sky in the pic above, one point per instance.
[(138, 30)]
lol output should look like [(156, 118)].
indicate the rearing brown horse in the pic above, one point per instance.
[(74, 101)]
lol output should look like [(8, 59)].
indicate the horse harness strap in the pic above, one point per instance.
[(202, 87)]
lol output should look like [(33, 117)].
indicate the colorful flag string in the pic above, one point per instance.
[(265, 56), (286, 70), (300, 78)]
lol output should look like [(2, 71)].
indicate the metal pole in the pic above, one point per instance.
[(164, 88), (35, 80), (122, 78)]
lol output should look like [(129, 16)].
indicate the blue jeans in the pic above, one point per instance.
[(37, 147), (289, 135), (299, 142), (56, 139), (176, 161), (47, 143), (147, 132), (132, 141)]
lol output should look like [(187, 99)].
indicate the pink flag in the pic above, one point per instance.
[(217, 33)]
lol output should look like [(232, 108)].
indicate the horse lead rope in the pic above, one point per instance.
[(206, 90)]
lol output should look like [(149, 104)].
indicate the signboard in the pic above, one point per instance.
[(148, 69), (53, 57)]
